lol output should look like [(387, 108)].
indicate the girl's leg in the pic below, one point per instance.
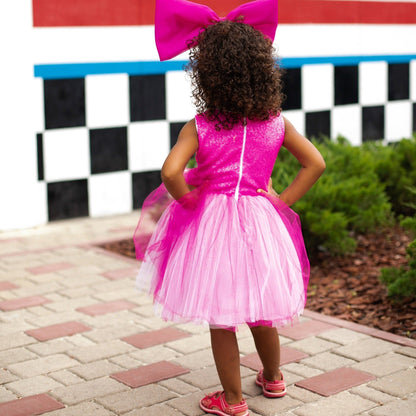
[(227, 360), (268, 347)]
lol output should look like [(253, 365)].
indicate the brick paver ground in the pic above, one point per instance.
[(77, 339)]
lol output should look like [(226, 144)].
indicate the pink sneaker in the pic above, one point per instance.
[(270, 387), (215, 404)]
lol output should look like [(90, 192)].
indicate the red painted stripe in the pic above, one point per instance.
[(93, 12), (140, 12), (364, 12)]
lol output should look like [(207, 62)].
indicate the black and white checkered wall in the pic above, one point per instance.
[(106, 136), (105, 140), (368, 101)]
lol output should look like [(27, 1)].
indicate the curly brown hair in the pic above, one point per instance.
[(234, 74)]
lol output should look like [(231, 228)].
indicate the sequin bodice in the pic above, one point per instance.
[(237, 161)]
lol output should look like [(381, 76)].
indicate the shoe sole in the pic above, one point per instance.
[(268, 394), (217, 411)]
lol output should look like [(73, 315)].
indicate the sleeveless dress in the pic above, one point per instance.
[(233, 255)]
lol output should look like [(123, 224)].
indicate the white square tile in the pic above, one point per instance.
[(107, 100), (110, 194), (346, 122), (398, 120), (297, 118), (413, 80), (179, 97), (373, 83), (66, 154), (15, 212), (148, 145), (317, 87)]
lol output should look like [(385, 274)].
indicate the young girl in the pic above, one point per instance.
[(227, 250)]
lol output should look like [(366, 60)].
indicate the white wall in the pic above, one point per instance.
[(22, 197)]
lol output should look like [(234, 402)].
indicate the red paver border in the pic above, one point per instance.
[(305, 329), (30, 406), (106, 307), (121, 273), (377, 333), (151, 338), (65, 329), (22, 303), (8, 286), (287, 355), (50, 268), (149, 374), (335, 381)]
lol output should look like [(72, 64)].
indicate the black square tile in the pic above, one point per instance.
[(143, 184), (318, 124), (373, 123), (346, 84), (399, 78), (108, 149), (414, 118), (292, 88), (67, 199), (39, 147), (147, 97), (64, 103), (175, 129)]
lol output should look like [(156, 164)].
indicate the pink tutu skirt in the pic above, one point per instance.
[(223, 261)]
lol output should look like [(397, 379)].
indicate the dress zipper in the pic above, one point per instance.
[(240, 175)]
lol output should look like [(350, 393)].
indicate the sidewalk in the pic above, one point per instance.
[(76, 339)]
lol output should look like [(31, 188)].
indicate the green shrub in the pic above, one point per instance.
[(402, 281), (349, 196), (409, 223), (327, 231), (395, 165)]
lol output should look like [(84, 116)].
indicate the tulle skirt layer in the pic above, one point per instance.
[(224, 262)]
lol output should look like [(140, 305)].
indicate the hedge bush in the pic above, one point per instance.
[(395, 166), (402, 281), (349, 197)]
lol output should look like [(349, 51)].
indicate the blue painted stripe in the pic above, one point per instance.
[(60, 71), (344, 60), (80, 70)]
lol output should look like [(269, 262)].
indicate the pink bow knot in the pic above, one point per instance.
[(179, 22)]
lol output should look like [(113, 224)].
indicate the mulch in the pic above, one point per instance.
[(348, 287)]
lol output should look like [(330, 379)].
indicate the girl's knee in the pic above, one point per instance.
[(262, 329), (228, 328)]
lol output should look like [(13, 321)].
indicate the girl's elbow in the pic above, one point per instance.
[(319, 163), (165, 173), (168, 174), (317, 166), (322, 166)]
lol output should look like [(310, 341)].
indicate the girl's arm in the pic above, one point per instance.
[(313, 165), (178, 158)]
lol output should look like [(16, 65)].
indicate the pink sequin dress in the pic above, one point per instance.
[(234, 256)]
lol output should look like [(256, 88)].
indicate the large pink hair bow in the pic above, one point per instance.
[(178, 22)]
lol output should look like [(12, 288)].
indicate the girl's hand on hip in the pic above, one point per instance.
[(270, 190)]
